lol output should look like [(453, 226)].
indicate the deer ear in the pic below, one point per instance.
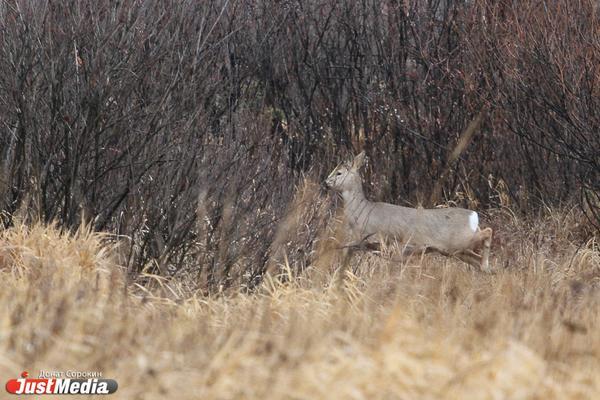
[(359, 161)]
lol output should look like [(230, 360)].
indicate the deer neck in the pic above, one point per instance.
[(354, 198)]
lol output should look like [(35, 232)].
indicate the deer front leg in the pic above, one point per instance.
[(348, 248)]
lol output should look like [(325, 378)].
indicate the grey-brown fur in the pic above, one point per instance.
[(449, 231)]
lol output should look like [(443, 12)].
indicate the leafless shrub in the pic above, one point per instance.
[(186, 127)]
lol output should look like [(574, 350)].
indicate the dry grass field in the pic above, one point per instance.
[(164, 220), (429, 328)]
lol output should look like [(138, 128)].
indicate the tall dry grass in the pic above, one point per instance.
[(426, 329)]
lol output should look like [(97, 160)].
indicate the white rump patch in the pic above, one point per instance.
[(473, 221)]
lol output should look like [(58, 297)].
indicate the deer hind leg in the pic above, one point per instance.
[(487, 244), (484, 237), (408, 251), (469, 257), (466, 256)]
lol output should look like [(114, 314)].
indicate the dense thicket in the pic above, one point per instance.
[(184, 125)]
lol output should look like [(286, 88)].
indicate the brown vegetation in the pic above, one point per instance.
[(428, 328), (193, 135), (183, 126)]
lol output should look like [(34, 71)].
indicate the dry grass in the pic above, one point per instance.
[(429, 329)]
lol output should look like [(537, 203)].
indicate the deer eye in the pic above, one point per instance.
[(339, 173)]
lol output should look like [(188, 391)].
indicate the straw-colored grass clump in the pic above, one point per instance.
[(428, 329)]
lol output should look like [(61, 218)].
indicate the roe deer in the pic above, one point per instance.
[(449, 231)]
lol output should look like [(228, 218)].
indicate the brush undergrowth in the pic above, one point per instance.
[(430, 328)]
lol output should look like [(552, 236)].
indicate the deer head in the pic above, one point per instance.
[(346, 176)]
